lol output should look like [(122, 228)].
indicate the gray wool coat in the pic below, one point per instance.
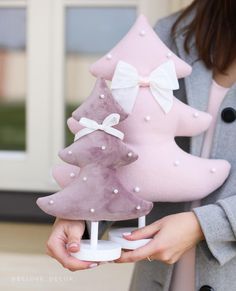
[(215, 256)]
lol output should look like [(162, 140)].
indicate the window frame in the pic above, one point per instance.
[(30, 170)]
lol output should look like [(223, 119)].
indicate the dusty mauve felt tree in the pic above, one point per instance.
[(95, 193)]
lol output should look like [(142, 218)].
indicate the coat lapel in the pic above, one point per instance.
[(197, 86)]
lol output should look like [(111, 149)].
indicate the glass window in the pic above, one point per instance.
[(12, 79), (90, 33)]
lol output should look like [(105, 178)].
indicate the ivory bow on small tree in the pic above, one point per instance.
[(107, 126)]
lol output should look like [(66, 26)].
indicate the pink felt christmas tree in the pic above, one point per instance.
[(144, 74)]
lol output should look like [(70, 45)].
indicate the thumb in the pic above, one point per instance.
[(74, 237), (144, 232)]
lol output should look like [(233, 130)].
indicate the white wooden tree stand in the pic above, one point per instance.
[(97, 250), (116, 235)]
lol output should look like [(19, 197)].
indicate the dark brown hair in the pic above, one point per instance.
[(214, 28)]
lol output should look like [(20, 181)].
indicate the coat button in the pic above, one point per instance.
[(206, 288), (228, 114)]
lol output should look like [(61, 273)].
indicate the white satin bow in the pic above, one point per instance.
[(92, 125), (162, 81)]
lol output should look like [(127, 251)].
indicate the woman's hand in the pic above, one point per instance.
[(172, 236), (65, 239)]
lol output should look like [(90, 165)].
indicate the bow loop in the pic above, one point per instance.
[(112, 119), (162, 81), (125, 76)]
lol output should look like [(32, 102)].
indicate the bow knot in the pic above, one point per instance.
[(161, 81), (101, 127), (144, 82), (106, 126)]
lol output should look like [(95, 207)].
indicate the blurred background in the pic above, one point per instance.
[(46, 48)]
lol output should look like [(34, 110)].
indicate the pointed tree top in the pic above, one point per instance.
[(143, 49), (99, 104)]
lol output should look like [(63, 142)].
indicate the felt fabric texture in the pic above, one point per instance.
[(141, 48), (89, 150), (94, 192), (94, 199), (64, 174), (164, 172)]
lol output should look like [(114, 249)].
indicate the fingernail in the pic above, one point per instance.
[(126, 233), (73, 245), (93, 265)]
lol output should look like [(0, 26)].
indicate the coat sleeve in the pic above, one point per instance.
[(218, 223)]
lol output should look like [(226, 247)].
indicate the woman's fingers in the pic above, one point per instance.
[(142, 253), (58, 251), (74, 236), (169, 242), (144, 232), (65, 239)]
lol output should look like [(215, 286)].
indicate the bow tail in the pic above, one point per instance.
[(83, 132), (115, 132), (164, 97)]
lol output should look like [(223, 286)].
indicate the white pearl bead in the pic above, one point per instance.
[(142, 32), (84, 178), (137, 189), (72, 175), (51, 202), (69, 152), (176, 163), (103, 147), (213, 170), (130, 154), (195, 114), (109, 56), (92, 210), (101, 96), (147, 118), (115, 191), (169, 54), (138, 207)]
